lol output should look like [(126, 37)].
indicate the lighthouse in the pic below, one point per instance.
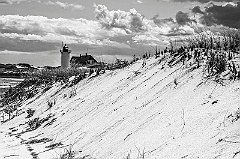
[(65, 57)]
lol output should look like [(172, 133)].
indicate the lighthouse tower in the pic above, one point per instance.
[(65, 57)]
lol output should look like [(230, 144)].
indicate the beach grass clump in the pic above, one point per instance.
[(30, 113), (217, 52), (216, 63), (35, 123)]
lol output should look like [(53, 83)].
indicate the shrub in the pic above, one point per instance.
[(30, 113)]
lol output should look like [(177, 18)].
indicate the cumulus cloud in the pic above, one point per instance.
[(66, 5), (182, 18), (170, 25), (197, 9), (160, 31), (226, 15), (143, 30), (130, 21), (43, 29)]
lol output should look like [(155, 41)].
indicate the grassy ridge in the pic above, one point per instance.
[(39, 81)]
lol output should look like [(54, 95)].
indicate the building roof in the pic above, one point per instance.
[(82, 59)]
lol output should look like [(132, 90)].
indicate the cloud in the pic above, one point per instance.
[(30, 29), (6, 2), (66, 5), (161, 22), (138, 1), (145, 37), (43, 58), (182, 18), (143, 30), (179, 26), (226, 15), (230, 4), (204, 1), (7, 52), (130, 21), (20, 25), (112, 29), (42, 27), (107, 42), (57, 3), (181, 31), (10, 44), (197, 9)]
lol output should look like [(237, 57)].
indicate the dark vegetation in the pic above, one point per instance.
[(30, 113), (36, 141), (54, 145), (37, 122), (37, 82), (217, 54)]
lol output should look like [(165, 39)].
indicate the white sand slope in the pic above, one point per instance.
[(133, 113)]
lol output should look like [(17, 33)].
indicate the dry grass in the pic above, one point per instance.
[(216, 52)]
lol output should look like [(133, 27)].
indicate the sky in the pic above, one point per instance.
[(32, 31)]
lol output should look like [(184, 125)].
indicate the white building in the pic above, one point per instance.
[(65, 57)]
